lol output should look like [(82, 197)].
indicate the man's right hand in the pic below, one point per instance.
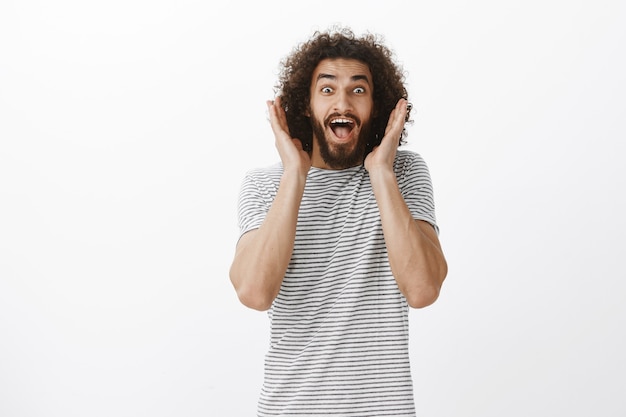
[(294, 158)]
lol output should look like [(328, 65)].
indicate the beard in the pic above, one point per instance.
[(341, 156)]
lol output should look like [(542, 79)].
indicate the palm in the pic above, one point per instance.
[(289, 149), (382, 156)]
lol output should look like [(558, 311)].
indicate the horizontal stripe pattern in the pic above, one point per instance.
[(339, 325)]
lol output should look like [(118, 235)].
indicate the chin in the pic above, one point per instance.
[(341, 157)]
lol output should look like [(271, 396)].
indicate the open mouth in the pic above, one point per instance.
[(341, 127)]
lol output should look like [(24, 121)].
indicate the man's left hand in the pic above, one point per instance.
[(382, 156)]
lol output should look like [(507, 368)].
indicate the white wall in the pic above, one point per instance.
[(126, 127)]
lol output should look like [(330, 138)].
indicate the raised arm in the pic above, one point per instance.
[(415, 256), (262, 255)]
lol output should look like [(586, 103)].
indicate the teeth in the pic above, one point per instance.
[(345, 121)]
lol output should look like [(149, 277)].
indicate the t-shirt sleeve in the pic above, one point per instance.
[(416, 187), (255, 200)]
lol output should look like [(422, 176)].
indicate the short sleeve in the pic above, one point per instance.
[(416, 186), (256, 194)]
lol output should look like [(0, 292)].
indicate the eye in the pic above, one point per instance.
[(327, 90), (359, 90)]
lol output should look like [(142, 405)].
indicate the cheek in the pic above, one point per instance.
[(315, 114), (368, 115)]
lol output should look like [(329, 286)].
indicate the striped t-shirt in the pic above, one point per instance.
[(339, 325)]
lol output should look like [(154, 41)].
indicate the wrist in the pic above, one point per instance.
[(381, 173), (382, 179), (294, 176)]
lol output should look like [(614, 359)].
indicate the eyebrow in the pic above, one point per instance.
[(358, 77)]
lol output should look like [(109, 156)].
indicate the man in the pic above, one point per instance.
[(339, 239)]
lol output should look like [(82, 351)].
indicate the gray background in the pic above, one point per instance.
[(126, 127)]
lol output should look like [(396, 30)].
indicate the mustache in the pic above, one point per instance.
[(354, 117)]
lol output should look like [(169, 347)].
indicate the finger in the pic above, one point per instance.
[(395, 125), (398, 115), (278, 118), (275, 119)]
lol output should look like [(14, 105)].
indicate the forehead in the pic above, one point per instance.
[(342, 68)]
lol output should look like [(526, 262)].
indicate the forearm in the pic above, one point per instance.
[(415, 256), (263, 255)]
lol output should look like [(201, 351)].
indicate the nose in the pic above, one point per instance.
[(343, 103)]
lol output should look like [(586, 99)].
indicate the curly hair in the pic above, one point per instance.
[(297, 69)]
